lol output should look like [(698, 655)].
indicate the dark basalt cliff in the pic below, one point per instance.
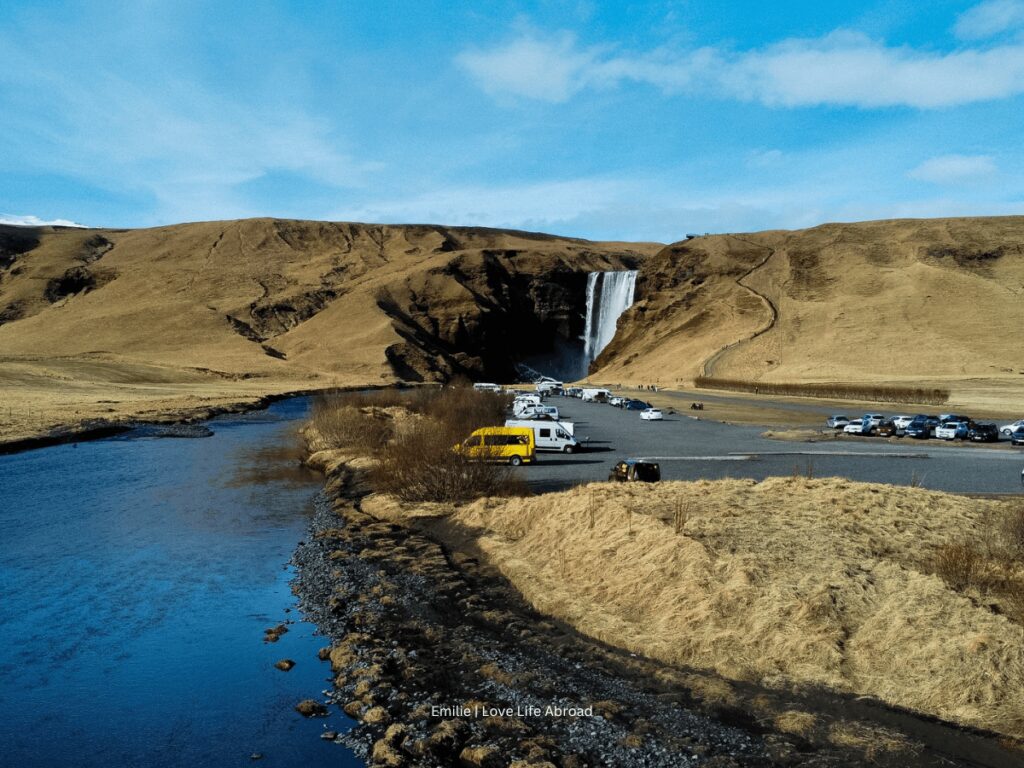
[(483, 312)]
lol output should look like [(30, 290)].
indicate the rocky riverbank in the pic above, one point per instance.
[(440, 662)]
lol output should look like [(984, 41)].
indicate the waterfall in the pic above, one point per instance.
[(609, 294)]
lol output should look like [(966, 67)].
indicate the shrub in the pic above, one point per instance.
[(342, 424), (419, 465), (959, 565)]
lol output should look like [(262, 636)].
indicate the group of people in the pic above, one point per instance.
[(649, 387), (696, 406)]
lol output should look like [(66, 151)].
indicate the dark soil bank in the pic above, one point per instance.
[(418, 633)]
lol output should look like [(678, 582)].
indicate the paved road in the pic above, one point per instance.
[(691, 449)]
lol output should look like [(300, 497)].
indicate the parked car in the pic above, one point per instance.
[(902, 422), (616, 400), (651, 414), (947, 417), (921, 426), (854, 427), (1006, 429), (637, 405), (1017, 436), (886, 428), (573, 392), (508, 445), (837, 421), (952, 430), (873, 419), (983, 433), (635, 470)]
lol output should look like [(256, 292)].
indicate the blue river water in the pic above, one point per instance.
[(136, 579)]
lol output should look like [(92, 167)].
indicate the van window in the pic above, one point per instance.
[(545, 433), (474, 440), (562, 435), (506, 440)]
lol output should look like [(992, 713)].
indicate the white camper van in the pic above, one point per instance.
[(548, 386), (549, 435), (481, 386), (596, 395)]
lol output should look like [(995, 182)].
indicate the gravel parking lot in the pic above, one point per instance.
[(691, 449)]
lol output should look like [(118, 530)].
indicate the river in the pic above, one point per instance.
[(136, 579)]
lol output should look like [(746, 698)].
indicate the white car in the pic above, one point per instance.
[(855, 427), (616, 400), (1006, 429), (902, 422), (951, 430), (874, 418), (651, 414)]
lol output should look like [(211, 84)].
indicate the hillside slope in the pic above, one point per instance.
[(923, 301), (266, 305)]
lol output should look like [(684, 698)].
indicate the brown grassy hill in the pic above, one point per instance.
[(908, 301), (224, 310), (787, 582)]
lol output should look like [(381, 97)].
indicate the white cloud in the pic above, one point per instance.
[(551, 70), (843, 68), (989, 19), (35, 221), (954, 169)]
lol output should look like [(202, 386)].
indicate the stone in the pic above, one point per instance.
[(384, 754), (481, 757), (376, 716), (285, 665), (447, 737), (311, 708)]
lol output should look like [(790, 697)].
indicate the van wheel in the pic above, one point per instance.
[(515, 461), (569, 449)]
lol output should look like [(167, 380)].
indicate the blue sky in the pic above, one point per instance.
[(627, 120)]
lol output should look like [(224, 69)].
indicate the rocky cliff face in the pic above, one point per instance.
[(482, 312)]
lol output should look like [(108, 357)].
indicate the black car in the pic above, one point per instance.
[(636, 469), (1017, 436), (922, 427), (983, 433), (636, 405)]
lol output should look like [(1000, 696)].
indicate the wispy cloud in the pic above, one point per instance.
[(989, 19), (35, 221), (187, 146), (844, 68), (954, 169)]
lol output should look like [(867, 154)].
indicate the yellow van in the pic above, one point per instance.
[(515, 445)]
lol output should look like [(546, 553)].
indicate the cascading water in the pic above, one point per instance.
[(609, 294)]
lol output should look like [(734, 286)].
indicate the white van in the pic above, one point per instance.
[(596, 395), (547, 387), (531, 411), (485, 387), (549, 435)]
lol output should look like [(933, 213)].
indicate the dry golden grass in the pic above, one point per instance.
[(796, 722), (873, 741), (901, 303), (786, 581), (226, 311)]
